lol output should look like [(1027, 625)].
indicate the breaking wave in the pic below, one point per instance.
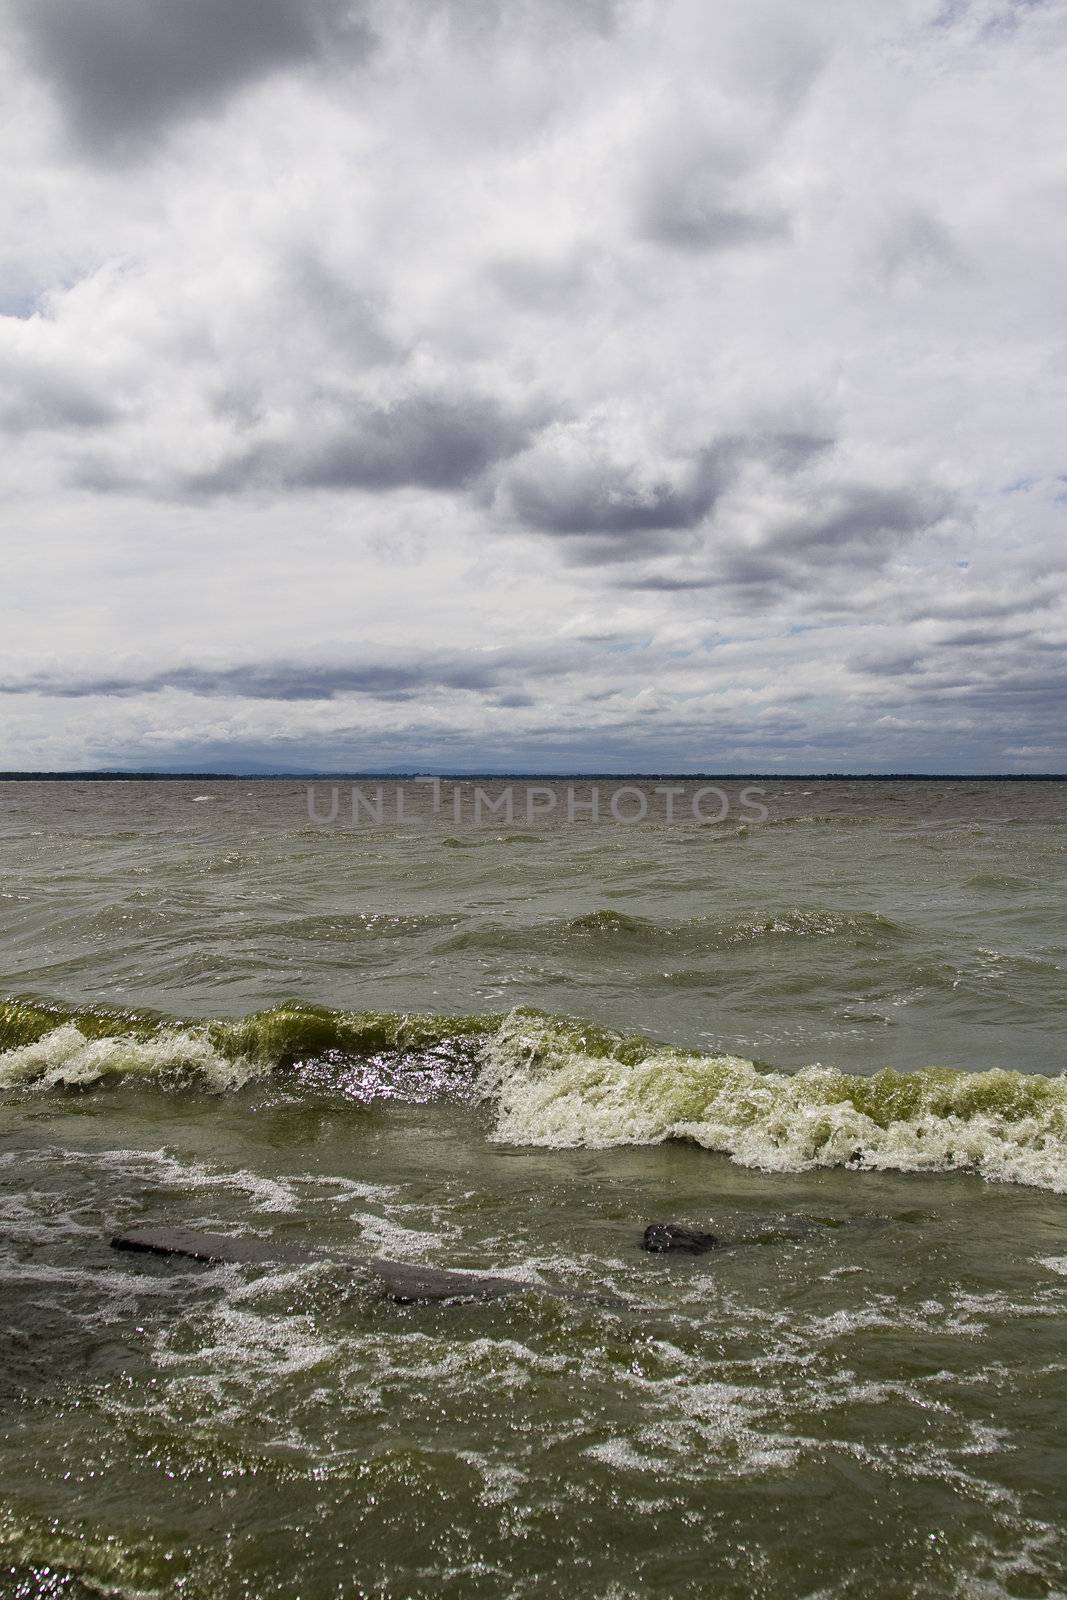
[(53, 1047), (557, 1083)]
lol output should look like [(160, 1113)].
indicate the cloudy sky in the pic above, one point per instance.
[(540, 384)]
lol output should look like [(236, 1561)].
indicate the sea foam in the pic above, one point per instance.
[(560, 1086), (66, 1058)]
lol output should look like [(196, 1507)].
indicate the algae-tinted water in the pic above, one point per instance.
[(227, 1016)]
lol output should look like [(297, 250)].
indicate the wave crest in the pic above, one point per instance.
[(549, 1090), (51, 1047), (559, 1083), (66, 1058)]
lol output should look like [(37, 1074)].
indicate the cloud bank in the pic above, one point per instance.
[(625, 383)]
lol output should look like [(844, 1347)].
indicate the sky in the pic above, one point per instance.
[(540, 385)]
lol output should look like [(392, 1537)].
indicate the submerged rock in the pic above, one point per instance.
[(400, 1280), (663, 1236), (213, 1248), (410, 1285), (748, 1231)]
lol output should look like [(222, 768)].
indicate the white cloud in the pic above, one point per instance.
[(703, 365)]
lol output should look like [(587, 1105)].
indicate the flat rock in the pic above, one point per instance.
[(403, 1282), (212, 1248), (410, 1284)]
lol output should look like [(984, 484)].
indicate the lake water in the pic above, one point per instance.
[(824, 1021)]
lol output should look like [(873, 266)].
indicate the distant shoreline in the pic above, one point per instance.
[(120, 775)]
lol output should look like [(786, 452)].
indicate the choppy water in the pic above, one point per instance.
[(834, 1036)]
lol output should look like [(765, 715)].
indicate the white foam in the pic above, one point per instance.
[(621, 1455), (66, 1058), (391, 1238), (162, 1167), (549, 1093)]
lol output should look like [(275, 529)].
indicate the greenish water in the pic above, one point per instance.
[(834, 1037)]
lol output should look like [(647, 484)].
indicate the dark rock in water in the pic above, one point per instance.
[(663, 1236), (402, 1282), (211, 1248), (409, 1285), (747, 1231)]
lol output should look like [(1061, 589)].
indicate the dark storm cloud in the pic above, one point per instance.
[(858, 533), (862, 526), (124, 69), (983, 683), (609, 511), (851, 536), (1007, 685), (601, 497), (420, 440), (290, 680)]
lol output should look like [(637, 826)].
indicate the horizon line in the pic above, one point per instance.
[(162, 775)]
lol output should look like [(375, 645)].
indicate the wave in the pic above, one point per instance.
[(552, 1087), (717, 933), (44, 1046), (66, 1058), (607, 929), (559, 1083)]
